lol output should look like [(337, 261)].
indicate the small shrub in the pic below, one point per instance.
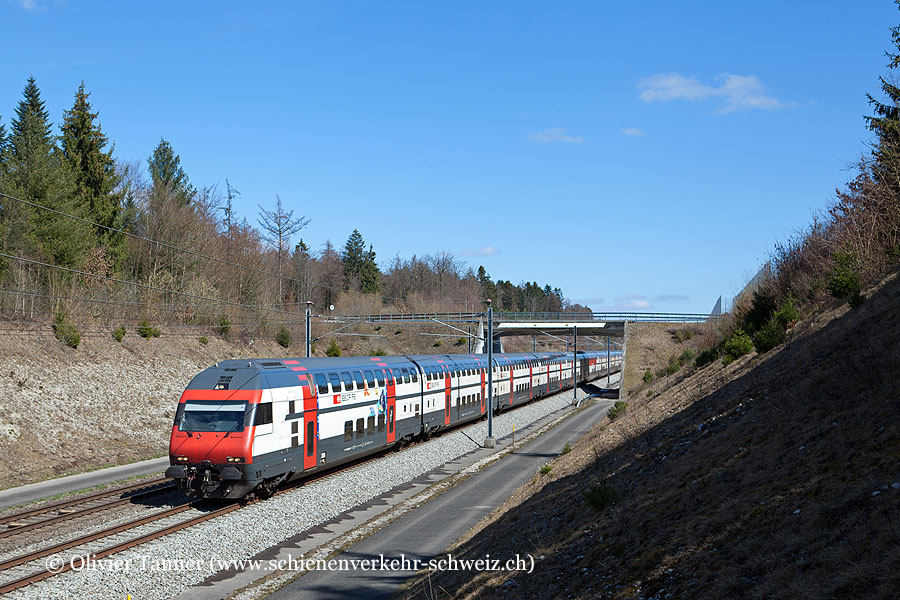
[(686, 356), (673, 366), (460, 341), (737, 346), (377, 328), (567, 448), (617, 410), (649, 393), (706, 357), (119, 333), (204, 340), (545, 470), (376, 352), (438, 344), (333, 349), (224, 326), (648, 376), (844, 281), (283, 337), (683, 335), (599, 495), (771, 335), (398, 332), (66, 332), (146, 330)]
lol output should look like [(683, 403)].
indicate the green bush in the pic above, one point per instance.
[(683, 335), (146, 330), (333, 349), (438, 344), (545, 470), (686, 356), (706, 357), (283, 337), (617, 410), (567, 448), (844, 281), (398, 332), (773, 332), (224, 326), (376, 352), (599, 495), (377, 328), (648, 376), (66, 332), (119, 333), (769, 336), (736, 346), (204, 340), (460, 341)]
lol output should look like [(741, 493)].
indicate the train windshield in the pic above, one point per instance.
[(212, 415)]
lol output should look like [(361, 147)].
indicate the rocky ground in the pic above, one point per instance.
[(774, 477)]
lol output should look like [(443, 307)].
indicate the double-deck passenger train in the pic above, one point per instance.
[(244, 427)]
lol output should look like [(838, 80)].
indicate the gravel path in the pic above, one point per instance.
[(145, 571)]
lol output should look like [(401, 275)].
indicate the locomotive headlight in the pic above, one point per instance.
[(235, 459), (181, 458)]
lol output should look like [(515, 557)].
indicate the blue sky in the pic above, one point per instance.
[(639, 155)]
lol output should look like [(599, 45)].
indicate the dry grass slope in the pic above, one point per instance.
[(774, 477)]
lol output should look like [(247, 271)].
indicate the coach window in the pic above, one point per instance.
[(348, 381), (381, 422), (398, 378), (414, 374), (360, 427), (348, 431), (370, 425), (335, 383), (429, 373), (370, 379), (360, 384), (263, 414), (321, 383), (405, 375), (379, 377)]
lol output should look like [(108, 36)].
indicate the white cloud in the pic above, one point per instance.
[(483, 251), (631, 302), (632, 131), (733, 92), (556, 134), (671, 298)]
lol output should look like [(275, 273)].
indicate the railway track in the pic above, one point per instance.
[(34, 571), (72, 509)]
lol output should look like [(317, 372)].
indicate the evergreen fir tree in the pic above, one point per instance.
[(166, 172), (360, 270), (885, 123), (93, 168), (37, 173)]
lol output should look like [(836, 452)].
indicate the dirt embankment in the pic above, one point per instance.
[(774, 477)]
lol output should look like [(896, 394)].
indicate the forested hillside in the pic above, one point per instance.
[(95, 245)]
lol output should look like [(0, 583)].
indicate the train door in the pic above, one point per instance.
[(391, 400), (530, 380), (512, 383), (310, 423), (482, 389), (447, 390)]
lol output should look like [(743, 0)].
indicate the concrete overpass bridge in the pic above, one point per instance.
[(591, 325)]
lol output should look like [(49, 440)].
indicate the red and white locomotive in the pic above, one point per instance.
[(246, 426)]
